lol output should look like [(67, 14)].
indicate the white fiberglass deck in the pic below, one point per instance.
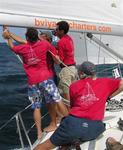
[(111, 119)]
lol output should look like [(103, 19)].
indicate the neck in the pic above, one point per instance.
[(84, 76), (61, 36)]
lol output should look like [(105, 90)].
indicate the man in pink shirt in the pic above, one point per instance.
[(65, 48), (87, 98), (40, 82)]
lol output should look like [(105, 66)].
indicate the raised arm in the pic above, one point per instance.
[(17, 38), (7, 37), (7, 33)]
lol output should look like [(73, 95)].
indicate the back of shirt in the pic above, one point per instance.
[(34, 57), (88, 97)]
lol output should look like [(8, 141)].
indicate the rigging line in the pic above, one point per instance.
[(107, 48), (24, 128), (34, 123), (66, 102), (85, 42), (99, 49), (62, 62), (102, 50), (107, 69), (19, 131), (4, 125), (25, 108), (14, 116)]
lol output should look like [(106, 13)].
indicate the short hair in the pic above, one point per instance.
[(63, 25), (32, 34)]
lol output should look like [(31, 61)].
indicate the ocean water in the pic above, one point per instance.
[(13, 98)]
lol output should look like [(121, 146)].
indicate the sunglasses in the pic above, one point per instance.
[(57, 29)]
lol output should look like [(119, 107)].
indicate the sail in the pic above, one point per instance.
[(105, 17)]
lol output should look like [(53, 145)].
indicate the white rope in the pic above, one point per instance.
[(62, 63)]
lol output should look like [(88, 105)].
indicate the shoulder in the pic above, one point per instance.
[(65, 39), (20, 46), (76, 84), (110, 81), (43, 43)]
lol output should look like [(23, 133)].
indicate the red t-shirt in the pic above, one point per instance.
[(88, 97), (50, 62), (66, 50), (34, 56)]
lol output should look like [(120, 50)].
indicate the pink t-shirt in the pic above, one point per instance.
[(88, 97), (35, 63), (66, 50)]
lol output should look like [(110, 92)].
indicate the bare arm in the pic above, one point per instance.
[(17, 38), (10, 43), (7, 33), (8, 38), (119, 90)]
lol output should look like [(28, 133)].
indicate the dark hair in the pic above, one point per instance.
[(63, 25), (87, 67), (32, 35)]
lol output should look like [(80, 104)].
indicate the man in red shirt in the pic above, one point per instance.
[(40, 82), (87, 97), (65, 48)]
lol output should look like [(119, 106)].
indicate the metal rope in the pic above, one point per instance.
[(4, 125), (14, 116), (20, 135), (62, 63), (92, 42), (34, 123)]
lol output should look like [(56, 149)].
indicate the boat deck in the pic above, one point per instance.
[(112, 130)]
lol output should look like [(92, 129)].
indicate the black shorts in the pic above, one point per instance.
[(72, 128)]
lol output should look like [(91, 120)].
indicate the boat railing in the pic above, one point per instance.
[(20, 124)]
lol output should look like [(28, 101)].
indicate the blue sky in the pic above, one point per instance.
[(18, 31)]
